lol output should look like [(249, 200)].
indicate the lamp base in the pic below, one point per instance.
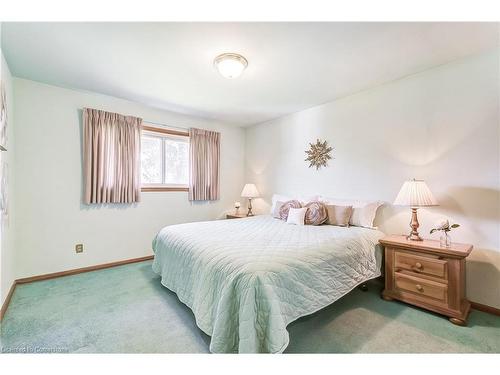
[(249, 213), (414, 236)]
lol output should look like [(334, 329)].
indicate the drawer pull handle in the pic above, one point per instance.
[(418, 265), (419, 288)]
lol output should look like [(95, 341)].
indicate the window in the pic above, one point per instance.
[(164, 159)]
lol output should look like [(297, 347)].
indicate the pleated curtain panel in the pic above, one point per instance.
[(204, 165), (111, 157)]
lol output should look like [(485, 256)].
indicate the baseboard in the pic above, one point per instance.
[(485, 308), (81, 270), (7, 300)]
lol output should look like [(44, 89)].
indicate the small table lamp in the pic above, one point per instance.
[(415, 193), (250, 191)]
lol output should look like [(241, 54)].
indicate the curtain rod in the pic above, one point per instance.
[(159, 123), (165, 125)]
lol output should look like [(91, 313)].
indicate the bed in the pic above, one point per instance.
[(246, 279)]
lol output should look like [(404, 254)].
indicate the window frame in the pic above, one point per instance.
[(162, 132)]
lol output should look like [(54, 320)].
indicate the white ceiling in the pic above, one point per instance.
[(292, 66)]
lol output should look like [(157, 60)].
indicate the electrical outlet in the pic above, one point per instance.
[(79, 248)]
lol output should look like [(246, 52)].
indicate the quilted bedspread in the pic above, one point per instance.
[(247, 279)]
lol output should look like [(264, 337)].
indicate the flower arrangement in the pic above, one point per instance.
[(444, 226)]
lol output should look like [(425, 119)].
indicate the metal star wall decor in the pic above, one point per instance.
[(318, 154)]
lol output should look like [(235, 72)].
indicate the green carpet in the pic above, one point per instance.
[(125, 309)]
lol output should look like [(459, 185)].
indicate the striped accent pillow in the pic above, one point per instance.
[(285, 207), (316, 213)]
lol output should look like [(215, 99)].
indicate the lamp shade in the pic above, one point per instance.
[(250, 191), (415, 193)]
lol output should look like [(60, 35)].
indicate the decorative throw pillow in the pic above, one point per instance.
[(316, 213), (285, 207), (296, 216), (277, 207), (278, 198), (284, 198), (339, 215), (363, 212)]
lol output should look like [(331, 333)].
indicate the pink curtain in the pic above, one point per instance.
[(204, 165), (111, 157)]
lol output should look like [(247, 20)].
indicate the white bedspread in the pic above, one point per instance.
[(247, 279)]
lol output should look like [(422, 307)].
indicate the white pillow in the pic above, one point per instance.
[(305, 199), (363, 212), (277, 207), (365, 216), (285, 198), (296, 216)]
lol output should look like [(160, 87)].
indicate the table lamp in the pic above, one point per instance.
[(415, 193), (250, 191)]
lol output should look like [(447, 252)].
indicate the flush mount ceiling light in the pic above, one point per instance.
[(230, 65)]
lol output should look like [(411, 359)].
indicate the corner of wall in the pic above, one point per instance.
[(7, 232)]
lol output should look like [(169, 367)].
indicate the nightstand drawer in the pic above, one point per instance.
[(421, 286), (420, 264)]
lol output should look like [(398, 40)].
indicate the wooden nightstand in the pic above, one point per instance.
[(427, 275), (236, 216)]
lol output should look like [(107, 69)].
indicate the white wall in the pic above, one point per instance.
[(441, 125), (50, 218), (7, 235)]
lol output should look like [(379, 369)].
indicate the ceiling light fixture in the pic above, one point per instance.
[(230, 65)]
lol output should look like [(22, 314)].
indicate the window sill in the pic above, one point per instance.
[(162, 188)]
